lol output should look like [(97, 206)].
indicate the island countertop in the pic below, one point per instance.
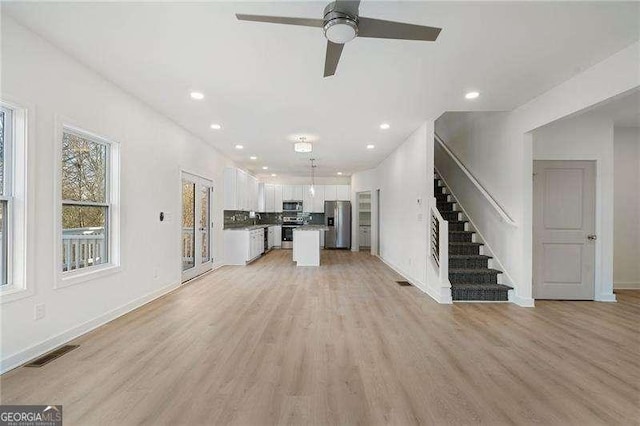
[(311, 228)]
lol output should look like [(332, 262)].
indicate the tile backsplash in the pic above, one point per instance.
[(239, 218)]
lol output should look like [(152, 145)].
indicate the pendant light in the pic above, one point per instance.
[(312, 188)]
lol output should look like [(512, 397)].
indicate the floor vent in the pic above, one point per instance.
[(404, 283), (47, 358)]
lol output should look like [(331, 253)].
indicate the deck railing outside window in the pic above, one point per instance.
[(83, 247)]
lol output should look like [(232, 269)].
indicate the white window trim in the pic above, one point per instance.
[(20, 246), (69, 278)]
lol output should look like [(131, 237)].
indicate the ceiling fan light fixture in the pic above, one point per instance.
[(340, 30)]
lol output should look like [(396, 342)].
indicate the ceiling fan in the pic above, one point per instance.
[(341, 24)]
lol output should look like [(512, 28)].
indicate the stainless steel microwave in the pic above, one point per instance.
[(292, 206)]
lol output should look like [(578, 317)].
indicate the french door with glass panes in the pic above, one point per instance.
[(197, 226)]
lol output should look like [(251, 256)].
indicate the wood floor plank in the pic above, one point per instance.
[(343, 344)]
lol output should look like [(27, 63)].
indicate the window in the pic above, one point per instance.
[(87, 201), (14, 245), (6, 142)]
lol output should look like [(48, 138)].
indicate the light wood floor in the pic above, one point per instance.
[(343, 344)]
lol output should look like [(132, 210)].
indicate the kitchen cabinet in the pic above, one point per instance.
[(230, 189), (292, 192), (270, 237), (243, 246), (318, 201), (240, 190), (364, 236), (343, 192), (287, 192), (330, 193), (269, 196), (313, 204), (277, 198), (277, 236)]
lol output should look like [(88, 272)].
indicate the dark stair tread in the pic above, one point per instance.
[(469, 256), (462, 232), (476, 286), (464, 243), (475, 271)]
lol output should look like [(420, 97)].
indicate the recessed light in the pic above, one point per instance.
[(370, 146), (265, 168), (197, 96), (472, 95), (339, 173), (273, 175), (384, 126), (239, 147), (216, 126), (253, 157)]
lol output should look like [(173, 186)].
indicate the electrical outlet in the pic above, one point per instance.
[(39, 311), (419, 217)]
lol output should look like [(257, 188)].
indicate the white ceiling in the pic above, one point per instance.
[(264, 82)]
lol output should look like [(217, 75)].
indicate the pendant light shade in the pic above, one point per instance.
[(312, 188)]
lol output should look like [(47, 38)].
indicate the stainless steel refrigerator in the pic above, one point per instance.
[(337, 216)]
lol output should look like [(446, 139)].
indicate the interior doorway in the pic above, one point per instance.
[(364, 220), (376, 219), (564, 223), (197, 226)]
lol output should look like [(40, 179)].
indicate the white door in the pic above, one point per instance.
[(197, 226), (564, 230)]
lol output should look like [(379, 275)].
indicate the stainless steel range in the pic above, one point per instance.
[(289, 223)]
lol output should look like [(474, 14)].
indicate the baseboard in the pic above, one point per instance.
[(437, 294), (525, 302), (622, 285), (606, 297), (47, 345)]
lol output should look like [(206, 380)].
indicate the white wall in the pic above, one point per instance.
[(500, 154), (587, 137), (405, 181), (153, 151), (626, 228)]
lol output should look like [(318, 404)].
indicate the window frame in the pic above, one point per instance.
[(7, 194), (18, 194), (112, 220)]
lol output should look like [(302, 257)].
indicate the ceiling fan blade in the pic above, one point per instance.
[(305, 22), (334, 50), (352, 7), (377, 28)]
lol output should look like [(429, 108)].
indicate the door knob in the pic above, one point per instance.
[(592, 237)]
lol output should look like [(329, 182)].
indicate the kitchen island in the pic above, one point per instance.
[(306, 244)]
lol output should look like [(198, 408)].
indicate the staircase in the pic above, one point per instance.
[(469, 273)]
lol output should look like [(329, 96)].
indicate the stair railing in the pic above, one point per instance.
[(501, 211), (439, 244)]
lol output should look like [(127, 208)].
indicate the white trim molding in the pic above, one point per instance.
[(21, 242), (626, 285)]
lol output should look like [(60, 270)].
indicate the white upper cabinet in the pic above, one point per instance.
[(343, 192), (307, 199), (297, 192), (240, 190), (313, 204), (292, 193), (277, 198), (270, 200), (330, 193), (230, 191), (318, 201), (287, 192)]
